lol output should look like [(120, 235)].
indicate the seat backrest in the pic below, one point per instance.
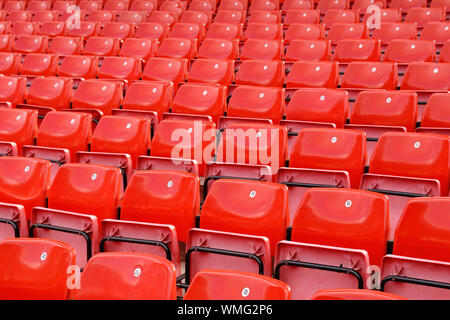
[(39, 64), (406, 51), (87, 188), (119, 30), (98, 94), (121, 68), (354, 294), (304, 31), (313, 74), (101, 46), (79, 66), (437, 31), (405, 5), (52, 28), (212, 71), (138, 48), (152, 30), (395, 30), (13, 221), (435, 113), (324, 5), (177, 48), (309, 50), (50, 92), (247, 207), (336, 217), (308, 16), (330, 149), (165, 197), (66, 45), (348, 50), (19, 126), (165, 69), (261, 49), (138, 276), (423, 230), (267, 31), (218, 49), (34, 269), (213, 284), (418, 155), (370, 75), (421, 16), (340, 31), (333, 16), (427, 76), (261, 73), (226, 31), (12, 89)]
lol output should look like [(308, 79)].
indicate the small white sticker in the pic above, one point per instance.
[(43, 256), (252, 194), (333, 140), (416, 144), (27, 168), (348, 203), (170, 184), (137, 272), (245, 292), (94, 176)]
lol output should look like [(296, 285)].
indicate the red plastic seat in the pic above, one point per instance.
[(357, 50), (434, 117), (9, 63), (61, 5), (88, 5), (340, 16), (422, 16), (18, 15), (87, 188), (200, 5), (166, 69), (405, 5), (308, 74), (87, 29), (163, 197), (101, 46), (302, 16), (395, 30), (444, 55), (24, 27), (152, 31), (64, 46), (387, 15), (323, 253), (232, 15), (261, 73), (362, 5), (50, 92), (225, 31), (290, 5), (98, 94), (184, 30), (120, 68), (100, 16), (212, 71), (257, 102), (177, 48), (308, 50), (119, 30), (138, 276), (419, 255), (199, 17), (18, 125), (52, 28), (44, 16), (116, 5), (38, 5), (264, 5), (39, 64), (162, 17), (31, 44), (201, 99), (354, 294), (14, 221), (77, 230), (14, 5), (407, 51), (264, 16), (138, 48), (143, 5), (132, 17), (174, 7), (213, 284), (405, 165), (342, 31), (12, 90), (325, 5), (5, 27), (6, 43), (230, 5), (79, 67), (265, 31), (35, 269), (437, 31), (258, 49), (24, 181), (427, 76), (218, 49)]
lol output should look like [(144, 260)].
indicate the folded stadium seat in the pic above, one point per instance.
[(290, 5), (31, 44), (138, 276), (216, 284), (333, 16), (39, 64), (437, 31), (258, 144), (121, 68), (38, 5), (376, 112), (212, 71), (14, 5), (138, 48), (88, 5), (24, 27), (178, 48), (225, 31), (149, 96), (18, 128), (218, 49), (439, 3), (75, 66), (188, 145), (203, 18), (77, 230), (201, 99), (434, 117), (341, 31), (12, 90), (426, 78), (44, 15), (65, 46), (369, 75), (5, 27), (6, 43), (166, 69), (35, 269), (350, 50), (120, 30), (9, 63), (308, 50), (407, 165), (261, 73), (265, 31), (132, 17), (310, 74), (53, 28), (395, 30), (422, 16), (315, 107), (444, 55), (115, 5), (61, 5), (132, 236), (354, 294), (102, 46), (121, 134), (87, 29), (231, 5), (387, 15), (163, 197), (325, 5), (13, 221), (162, 17), (200, 5), (264, 5), (101, 95), (24, 181), (100, 16), (362, 5), (50, 92), (419, 265), (175, 7), (405, 51), (18, 15), (143, 6), (231, 15), (257, 102), (237, 221), (323, 253), (183, 30), (306, 16), (152, 31), (259, 49), (405, 5), (265, 16), (87, 188)]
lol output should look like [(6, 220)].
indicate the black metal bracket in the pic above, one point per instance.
[(399, 193), (420, 282), (209, 178), (308, 185), (138, 241), (13, 225)]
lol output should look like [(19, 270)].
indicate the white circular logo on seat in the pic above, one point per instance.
[(312, 45), (94, 176), (374, 69), (128, 125), (170, 184), (19, 117), (205, 92), (435, 70), (252, 194), (416, 144), (245, 292), (388, 100), (72, 121), (43, 256), (137, 272), (348, 203), (322, 98), (317, 68), (189, 130), (27, 168), (333, 140)]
